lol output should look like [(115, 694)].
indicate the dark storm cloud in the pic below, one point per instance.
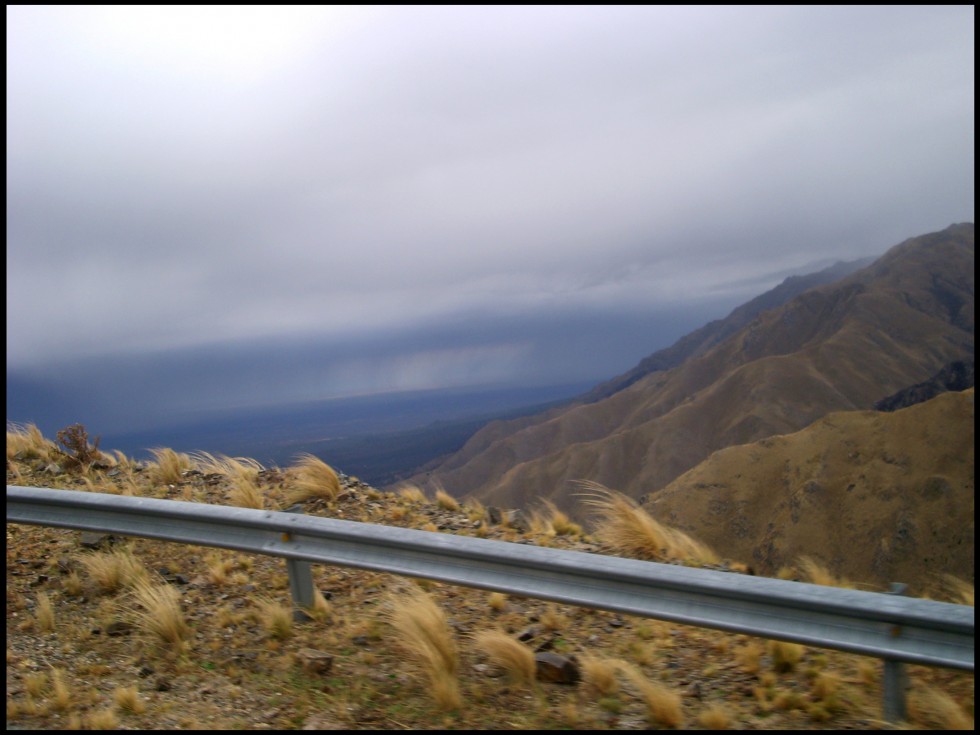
[(180, 177)]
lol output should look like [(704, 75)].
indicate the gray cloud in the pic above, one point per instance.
[(179, 178)]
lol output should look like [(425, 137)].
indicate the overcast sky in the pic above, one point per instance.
[(205, 180)]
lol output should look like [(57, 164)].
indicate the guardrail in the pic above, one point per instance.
[(894, 628)]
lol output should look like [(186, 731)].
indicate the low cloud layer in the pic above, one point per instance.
[(184, 177)]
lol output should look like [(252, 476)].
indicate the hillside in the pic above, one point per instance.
[(875, 497), (836, 347), (217, 645)]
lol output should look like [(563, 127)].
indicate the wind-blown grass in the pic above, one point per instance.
[(311, 477), (629, 530), (509, 654)]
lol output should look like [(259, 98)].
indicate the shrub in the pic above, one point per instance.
[(77, 451), (313, 478), (424, 634), (628, 529), (509, 654)]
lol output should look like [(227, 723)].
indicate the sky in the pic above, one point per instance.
[(219, 206)]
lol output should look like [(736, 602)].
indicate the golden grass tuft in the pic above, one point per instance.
[(816, 573), (509, 654), (715, 717), (244, 492), (599, 675), (277, 619), (156, 611), (424, 634), (169, 466), (663, 704), (785, 655), (497, 601), (628, 529), (27, 441), (60, 693), (115, 570), (44, 615), (128, 699), (959, 591), (311, 477), (102, 720), (446, 501), (412, 494), (934, 709)]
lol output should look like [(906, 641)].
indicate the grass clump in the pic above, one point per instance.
[(423, 632), (715, 717), (44, 615), (628, 529), (934, 709), (312, 478), (158, 614), (785, 655), (663, 704), (446, 501), (128, 699), (115, 570), (509, 654), (277, 619), (816, 573), (26, 442), (169, 466), (412, 494), (599, 676)]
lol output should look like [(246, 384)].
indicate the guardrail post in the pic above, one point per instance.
[(895, 677), (300, 578)]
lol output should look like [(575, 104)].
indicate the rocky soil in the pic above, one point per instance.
[(343, 668)]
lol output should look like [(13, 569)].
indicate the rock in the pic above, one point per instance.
[(555, 668), (118, 627), (94, 539), (313, 661)]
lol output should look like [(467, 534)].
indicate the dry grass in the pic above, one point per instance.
[(113, 571), (169, 466), (27, 441), (816, 573), (412, 494), (663, 704), (509, 654), (245, 493), (629, 530), (497, 601), (599, 675), (715, 717), (128, 699), (60, 693), (311, 477), (785, 655), (959, 591), (158, 614), (276, 618), (446, 501), (44, 615), (934, 709), (424, 634)]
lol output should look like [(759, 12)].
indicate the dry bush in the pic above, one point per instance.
[(276, 618), (114, 570), (60, 693), (785, 655), (27, 441), (446, 501), (424, 634), (128, 700), (715, 717), (412, 494), (509, 654), (312, 478), (934, 709), (245, 493), (156, 611), (44, 615), (630, 530), (599, 675), (817, 573), (959, 591), (663, 704), (169, 466)]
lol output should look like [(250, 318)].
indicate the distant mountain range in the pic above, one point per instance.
[(836, 341)]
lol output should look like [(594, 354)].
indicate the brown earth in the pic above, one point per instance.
[(235, 674)]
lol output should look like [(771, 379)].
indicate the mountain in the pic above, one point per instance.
[(840, 346), (875, 497)]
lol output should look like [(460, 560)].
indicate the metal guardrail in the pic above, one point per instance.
[(894, 628)]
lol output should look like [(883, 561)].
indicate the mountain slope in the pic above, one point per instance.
[(840, 346), (876, 497)]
